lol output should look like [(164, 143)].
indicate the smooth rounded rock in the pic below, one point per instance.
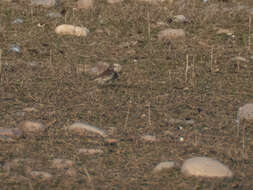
[(205, 167), (171, 34), (149, 138), (62, 163), (85, 4), (245, 112), (164, 165), (90, 151), (82, 128), (32, 127), (114, 1), (179, 18), (152, 1), (44, 3), (67, 29)]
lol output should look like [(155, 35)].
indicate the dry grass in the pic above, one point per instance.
[(191, 78)]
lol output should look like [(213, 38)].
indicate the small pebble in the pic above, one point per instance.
[(66, 29), (81, 128), (164, 165), (31, 126), (41, 175), (15, 48), (245, 112), (181, 139), (111, 141), (30, 109), (171, 34), (44, 3), (114, 1), (224, 31), (179, 18), (61, 163), (18, 21), (149, 138), (85, 4), (90, 151)]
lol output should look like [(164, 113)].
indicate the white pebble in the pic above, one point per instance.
[(164, 165), (245, 113), (179, 18), (79, 128), (205, 167), (66, 29)]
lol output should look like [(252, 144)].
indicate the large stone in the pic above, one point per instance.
[(205, 167)]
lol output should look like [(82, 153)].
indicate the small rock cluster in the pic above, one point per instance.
[(196, 166)]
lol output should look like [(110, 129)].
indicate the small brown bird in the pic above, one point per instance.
[(110, 74)]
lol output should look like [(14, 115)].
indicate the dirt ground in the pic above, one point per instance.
[(154, 86)]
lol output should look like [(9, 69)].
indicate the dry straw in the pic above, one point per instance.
[(1, 61), (249, 32)]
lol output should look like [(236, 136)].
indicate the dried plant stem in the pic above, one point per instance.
[(193, 71), (249, 32), (243, 139), (211, 60), (186, 67), (127, 116), (148, 15), (1, 61), (149, 116), (51, 58), (89, 178)]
